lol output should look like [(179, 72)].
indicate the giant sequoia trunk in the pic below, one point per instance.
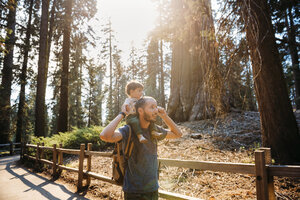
[(40, 107), (195, 89), (63, 107), (5, 89), (21, 108), (278, 124)]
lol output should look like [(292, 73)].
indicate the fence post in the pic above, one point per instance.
[(42, 151), (80, 170), (42, 155), (11, 148), (268, 160), (89, 164), (261, 176), (37, 156), (54, 166), (60, 159), (22, 151)]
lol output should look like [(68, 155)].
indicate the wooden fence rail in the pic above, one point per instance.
[(11, 146), (263, 169)]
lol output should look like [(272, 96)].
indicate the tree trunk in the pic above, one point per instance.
[(152, 69), (40, 112), (79, 111), (195, 80), (5, 89), (63, 107), (50, 32), (21, 109), (278, 124), (110, 99), (162, 77), (292, 44)]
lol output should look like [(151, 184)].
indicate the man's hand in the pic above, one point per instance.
[(161, 112), (174, 130)]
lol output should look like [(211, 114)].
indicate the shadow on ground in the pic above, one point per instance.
[(10, 165)]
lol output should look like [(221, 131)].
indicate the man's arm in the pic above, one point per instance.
[(109, 133), (174, 130)]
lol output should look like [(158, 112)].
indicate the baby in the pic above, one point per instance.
[(134, 91)]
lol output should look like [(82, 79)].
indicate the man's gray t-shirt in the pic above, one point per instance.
[(141, 174)]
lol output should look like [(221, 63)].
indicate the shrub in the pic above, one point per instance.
[(73, 139)]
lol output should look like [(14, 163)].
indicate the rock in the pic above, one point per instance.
[(196, 136)]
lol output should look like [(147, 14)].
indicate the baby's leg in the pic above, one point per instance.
[(134, 122), (153, 130)]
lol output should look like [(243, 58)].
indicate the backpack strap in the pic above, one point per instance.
[(129, 145), (119, 156)]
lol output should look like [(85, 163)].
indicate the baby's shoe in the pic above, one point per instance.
[(156, 134), (142, 139)]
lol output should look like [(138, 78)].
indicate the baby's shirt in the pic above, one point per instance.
[(130, 102)]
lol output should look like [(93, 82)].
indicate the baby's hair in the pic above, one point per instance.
[(132, 85)]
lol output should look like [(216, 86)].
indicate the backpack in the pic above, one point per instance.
[(120, 158)]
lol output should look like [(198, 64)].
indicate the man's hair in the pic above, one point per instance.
[(132, 85), (141, 103)]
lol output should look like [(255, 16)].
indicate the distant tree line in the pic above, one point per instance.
[(196, 64)]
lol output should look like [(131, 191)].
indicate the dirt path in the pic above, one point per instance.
[(19, 183)]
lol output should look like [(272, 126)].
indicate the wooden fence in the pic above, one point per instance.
[(9, 147), (263, 169)]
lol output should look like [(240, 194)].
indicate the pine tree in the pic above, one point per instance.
[(278, 124), (107, 56), (40, 108), (152, 69), (23, 77), (119, 83), (94, 98), (79, 42), (81, 37), (63, 106), (285, 14), (55, 83), (133, 69), (7, 72)]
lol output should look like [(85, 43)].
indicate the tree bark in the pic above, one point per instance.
[(79, 111), (162, 76), (5, 89), (21, 108), (152, 69), (278, 124), (63, 107), (40, 107), (50, 32), (110, 115), (195, 88), (292, 44)]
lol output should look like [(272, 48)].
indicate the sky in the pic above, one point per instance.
[(131, 20)]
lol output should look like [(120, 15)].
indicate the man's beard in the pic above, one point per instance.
[(147, 118)]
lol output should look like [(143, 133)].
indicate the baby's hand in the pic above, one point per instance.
[(125, 109)]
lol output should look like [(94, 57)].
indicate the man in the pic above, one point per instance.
[(141, 175)]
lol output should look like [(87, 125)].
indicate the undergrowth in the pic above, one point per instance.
[(73, 139)]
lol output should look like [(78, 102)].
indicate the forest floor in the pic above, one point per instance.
[(229, 138)]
